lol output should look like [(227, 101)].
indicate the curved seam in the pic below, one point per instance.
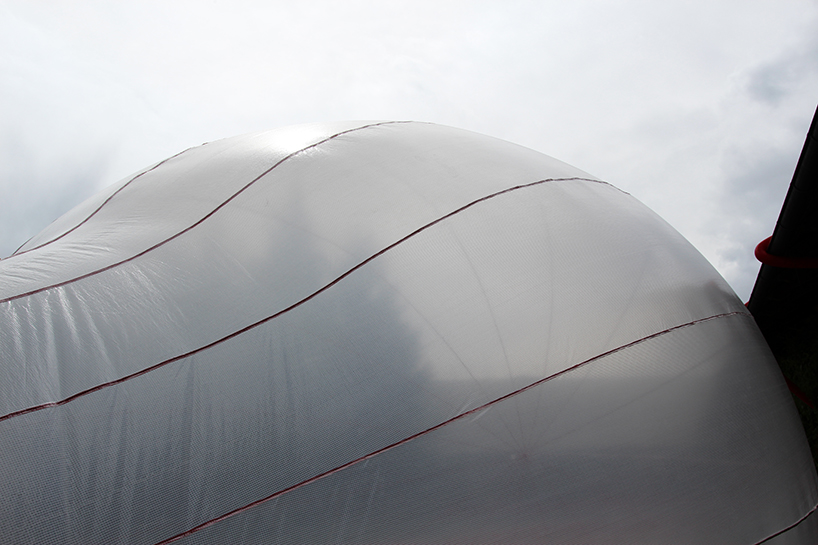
[(790, 527), (198, 222), (461, 416), (298, 303), (92, 214)]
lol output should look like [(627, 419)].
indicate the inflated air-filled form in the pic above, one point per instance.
[(384, 333)]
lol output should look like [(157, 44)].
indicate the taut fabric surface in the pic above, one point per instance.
[(384, 332)]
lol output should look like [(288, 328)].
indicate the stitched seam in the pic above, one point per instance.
[(298, 303), (190, 227), (92, 214), (790, 527), (483, 407)]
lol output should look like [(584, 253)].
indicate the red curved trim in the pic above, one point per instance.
[(162, 243), (436, 427), (92, 214), (790, 527), (322, 289), (783, 262)]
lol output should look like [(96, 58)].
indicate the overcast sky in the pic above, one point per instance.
[(697, 108)]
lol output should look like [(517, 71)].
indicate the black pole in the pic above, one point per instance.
[(784, 301)]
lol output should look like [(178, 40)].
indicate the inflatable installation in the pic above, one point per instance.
[(384, 333)]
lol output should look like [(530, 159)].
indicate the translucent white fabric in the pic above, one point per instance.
[(385, 333)]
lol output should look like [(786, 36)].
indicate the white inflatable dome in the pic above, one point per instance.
[(384, 333)]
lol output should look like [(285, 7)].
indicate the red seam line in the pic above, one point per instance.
[(114, 194), (790, 527), (180, 233), (782, 262), (280, 312), (438, 426)]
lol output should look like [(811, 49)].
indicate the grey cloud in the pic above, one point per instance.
[(750, 199), (773, 81), (776, 101), (34, 197)]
